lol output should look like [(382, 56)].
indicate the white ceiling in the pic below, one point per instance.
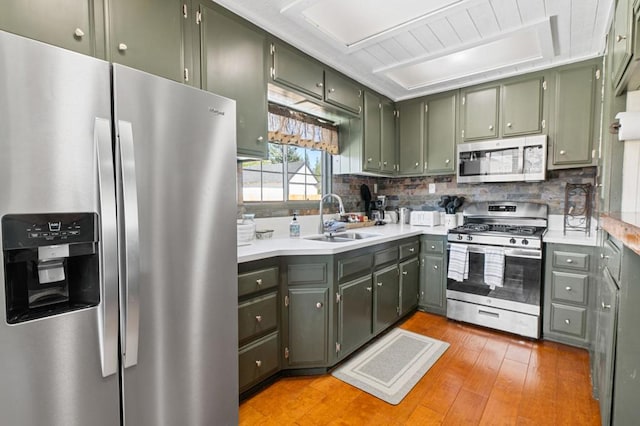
[(409, 48)]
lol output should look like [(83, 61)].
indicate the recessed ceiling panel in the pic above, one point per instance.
[(354, 21)]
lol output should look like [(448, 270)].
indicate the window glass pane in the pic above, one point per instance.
[(272, 187)]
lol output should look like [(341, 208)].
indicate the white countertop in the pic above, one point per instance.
[(284, 246), (573, 237)]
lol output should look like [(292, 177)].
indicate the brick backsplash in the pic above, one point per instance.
[(414, 191)]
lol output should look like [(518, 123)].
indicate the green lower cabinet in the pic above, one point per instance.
[(409, 285), (354, 314), (76, 25), (433, 279), (258, 360), (386, 297), (308, 327)]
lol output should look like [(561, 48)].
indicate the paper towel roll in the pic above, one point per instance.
[(629, 125)]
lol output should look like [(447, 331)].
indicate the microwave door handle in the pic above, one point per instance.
[(129, 243), (108, 270)]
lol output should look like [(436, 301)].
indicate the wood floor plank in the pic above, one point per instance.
[(484, 378)]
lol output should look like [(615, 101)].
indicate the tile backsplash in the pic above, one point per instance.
[(414, 191)]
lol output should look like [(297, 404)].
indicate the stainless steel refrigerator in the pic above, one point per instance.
[(119, 279)]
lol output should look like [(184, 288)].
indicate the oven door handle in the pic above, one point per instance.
[(508, 252)]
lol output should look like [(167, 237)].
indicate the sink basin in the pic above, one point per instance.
[(342, 237)]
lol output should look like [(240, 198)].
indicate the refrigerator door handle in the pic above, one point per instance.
[(108, 309), (129, 243)]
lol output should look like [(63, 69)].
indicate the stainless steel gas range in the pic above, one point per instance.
[(495, 266)]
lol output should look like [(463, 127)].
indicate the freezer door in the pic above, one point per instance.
[(55, 157), (177, 179)]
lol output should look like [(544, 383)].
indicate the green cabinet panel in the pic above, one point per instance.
[(76, 25), (409, 285), (258, 360), (257, 316), (233, 64), (480, 113), (388, 137), (308, 326), (354, 314), (372, 136), (354, 266), (386, 297), (341, 92), (441, 133), (622, 39), (574, 129), (148, 35), (522, 107), (292, 68), (411, 137), (433, 277)]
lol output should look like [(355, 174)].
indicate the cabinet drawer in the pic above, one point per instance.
[(611, 258), (570, 287), (251, 282), (354, 266), (568, 320), (257, 316), (307, 273), (568, 260), (383, 257), (409, 249), (433, 246), (258, 360)]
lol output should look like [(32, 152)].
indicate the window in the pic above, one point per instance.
[(291, 173)]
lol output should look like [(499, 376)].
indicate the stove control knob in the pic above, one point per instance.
[(469, 238), (459, 236), (525, 242), (512, 241)]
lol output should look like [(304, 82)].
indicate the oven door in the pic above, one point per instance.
[(521, 285)]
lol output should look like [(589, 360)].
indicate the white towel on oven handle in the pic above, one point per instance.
[(458, 262), (494, 267)]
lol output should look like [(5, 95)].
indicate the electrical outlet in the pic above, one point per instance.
[(432, 188), (375, 188)]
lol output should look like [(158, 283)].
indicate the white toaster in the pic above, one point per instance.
[(425, 218)]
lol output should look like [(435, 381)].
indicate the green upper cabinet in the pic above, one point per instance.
[(480, 113), (441, 133), (148, 35), (76, 25), (341, 92), (622, 39), (411, 137), (293, 69), (575, 111), (379, 134), (521, 107), (233, 64)]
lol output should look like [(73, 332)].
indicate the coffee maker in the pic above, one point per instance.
[(379, 205)]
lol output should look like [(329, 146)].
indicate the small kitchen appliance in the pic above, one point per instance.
[(425, 218), (509, 234)]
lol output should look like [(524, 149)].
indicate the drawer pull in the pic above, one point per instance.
[(411, 250), (368, 288), (259, 318), (319, 305), (404, 272), (569, 260), (258, 363), (568, 288), (433, 247), (567, 321), (435, 266), (604, 306), (379, 284), (259, 281)]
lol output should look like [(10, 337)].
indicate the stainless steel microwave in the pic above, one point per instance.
[(504, 160)]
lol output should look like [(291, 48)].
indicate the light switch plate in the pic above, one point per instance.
[(432, 188)]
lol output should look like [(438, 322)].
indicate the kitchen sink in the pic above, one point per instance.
[(342, 237)]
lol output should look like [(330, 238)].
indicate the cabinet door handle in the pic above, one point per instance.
[(368, 288), (491, 127), (369, 160), (433, 247), (417, 164), (411, 250), (509, 125), (259, 281), (435, 266), (620, 37), (384, 163), (379, 284), (78, 33), (122, 47), (319, 85), (404, 272), (447, 161), (331, 90), (568, 288), (260, 138), (319, 305), (569, 260), (563, 152), (567, 321), (258, 363), (605, 306), (259, 318)]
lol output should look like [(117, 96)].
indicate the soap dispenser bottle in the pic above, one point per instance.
[(294, 227)]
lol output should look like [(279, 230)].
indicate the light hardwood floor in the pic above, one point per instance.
[(484, 378)]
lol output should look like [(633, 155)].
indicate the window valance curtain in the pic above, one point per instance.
[(295, 128)]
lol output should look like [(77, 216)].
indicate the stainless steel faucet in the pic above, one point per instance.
[(340, 207)]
